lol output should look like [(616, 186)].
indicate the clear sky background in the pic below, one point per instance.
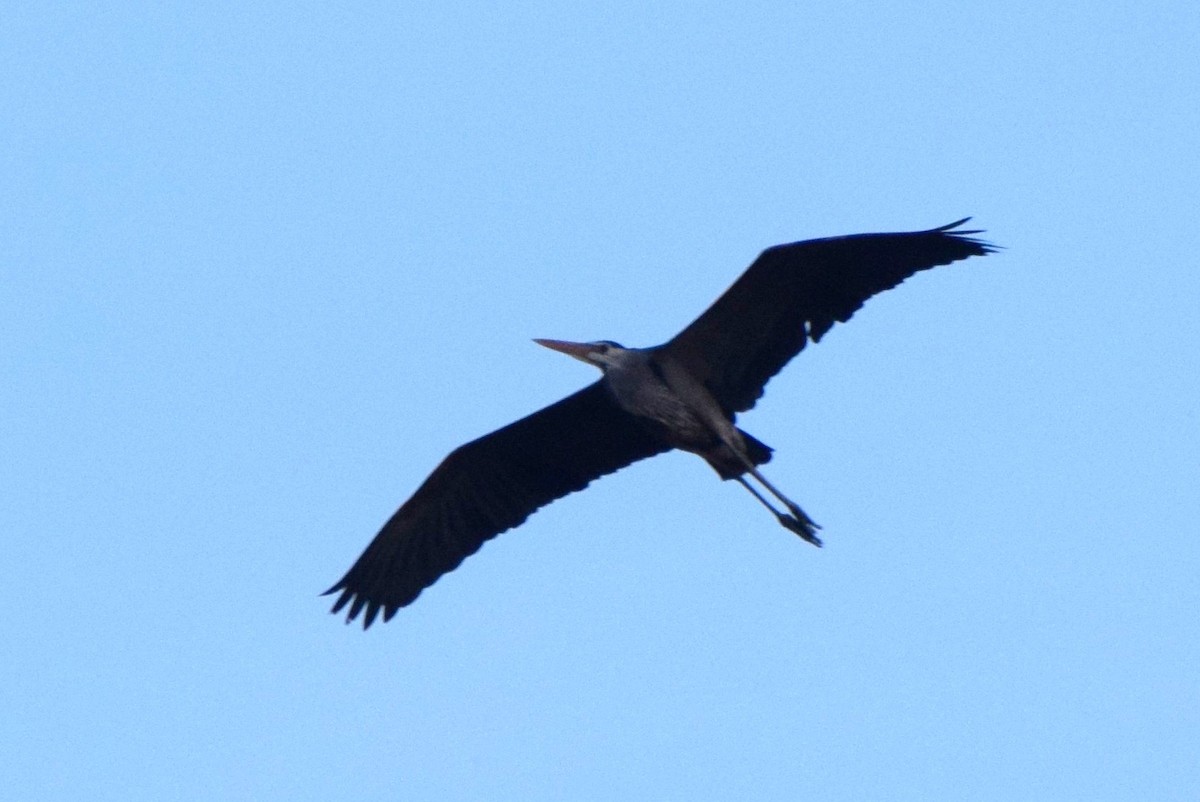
[(265, 264)]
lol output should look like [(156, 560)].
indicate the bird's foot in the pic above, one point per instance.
[(802, 525)]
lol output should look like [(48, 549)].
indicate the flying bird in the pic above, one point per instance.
[(683, 394)]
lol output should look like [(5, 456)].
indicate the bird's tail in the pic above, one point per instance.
[(729, 465), (758, 451)]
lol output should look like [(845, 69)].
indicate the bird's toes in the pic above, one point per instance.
[(806, 529)]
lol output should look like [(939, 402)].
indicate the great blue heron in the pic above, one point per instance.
[(683, 394)]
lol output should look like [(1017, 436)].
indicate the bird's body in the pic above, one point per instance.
[(683, 394), (650, 385)]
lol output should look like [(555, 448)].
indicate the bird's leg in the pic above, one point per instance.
[(784, 519), (809, 526), (800, 524), (798, 521)]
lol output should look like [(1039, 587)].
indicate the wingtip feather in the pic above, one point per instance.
[(956, 224)]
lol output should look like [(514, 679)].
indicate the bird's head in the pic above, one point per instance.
[(602, 354)]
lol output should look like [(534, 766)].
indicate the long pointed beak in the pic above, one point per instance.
[(578, 350)]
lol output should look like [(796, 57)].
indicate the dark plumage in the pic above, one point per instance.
[(490, 485), (682, 394)]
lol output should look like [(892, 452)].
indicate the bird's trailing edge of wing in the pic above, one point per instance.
[(486, 487), (794, 293)]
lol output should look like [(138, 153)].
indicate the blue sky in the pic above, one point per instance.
[(263, 266)]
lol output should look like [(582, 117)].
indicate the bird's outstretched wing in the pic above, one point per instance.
[(795, 293), (486, 487)]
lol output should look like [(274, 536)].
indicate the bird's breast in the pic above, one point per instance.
[(646, 391)]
